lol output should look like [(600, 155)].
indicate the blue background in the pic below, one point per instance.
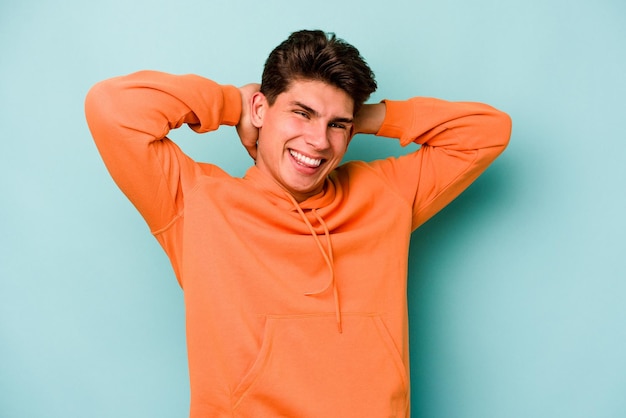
[(516, 289)]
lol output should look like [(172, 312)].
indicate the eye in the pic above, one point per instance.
[(337, 125), (301, 113)]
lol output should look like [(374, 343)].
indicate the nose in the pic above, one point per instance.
[(317, 136)]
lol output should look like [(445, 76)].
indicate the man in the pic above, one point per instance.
[(294, 276)]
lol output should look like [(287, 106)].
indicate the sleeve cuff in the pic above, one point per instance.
[(231, 111), (398, 121)]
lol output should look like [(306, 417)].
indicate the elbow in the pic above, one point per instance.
[(98, 96), (93, 100), (100, 105), (93, 107), (500, 128), (505, 127)]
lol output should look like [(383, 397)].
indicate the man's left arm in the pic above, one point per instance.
[(458, 142)]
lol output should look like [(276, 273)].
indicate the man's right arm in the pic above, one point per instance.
[(130, 117)]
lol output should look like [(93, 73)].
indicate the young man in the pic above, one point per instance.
[(294, 276)]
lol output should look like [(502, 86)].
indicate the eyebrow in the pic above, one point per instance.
[(316, 114)]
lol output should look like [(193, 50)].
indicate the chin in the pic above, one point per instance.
[(304, 193)]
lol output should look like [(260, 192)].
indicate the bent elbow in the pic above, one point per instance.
[(98, 97), (503, 125), (102, 109)]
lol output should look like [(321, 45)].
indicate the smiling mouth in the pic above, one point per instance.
[(304, 160)]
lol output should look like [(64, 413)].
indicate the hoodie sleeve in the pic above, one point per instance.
[(129, 118), (458, 142)]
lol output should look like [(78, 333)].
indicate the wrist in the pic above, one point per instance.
[(369, 118), (232, 107)]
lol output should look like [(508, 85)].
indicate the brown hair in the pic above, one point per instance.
[(315, 55)]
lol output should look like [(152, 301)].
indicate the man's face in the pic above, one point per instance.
[(303, 135)]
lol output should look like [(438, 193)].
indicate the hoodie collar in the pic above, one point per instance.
[(278, 194)]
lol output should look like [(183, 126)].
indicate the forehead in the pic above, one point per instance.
[(318, 95)]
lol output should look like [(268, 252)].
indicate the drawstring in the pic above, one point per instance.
[(331, 267), (328, 258)]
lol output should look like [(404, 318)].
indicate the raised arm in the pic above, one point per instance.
[(129, 118), (458, 142)]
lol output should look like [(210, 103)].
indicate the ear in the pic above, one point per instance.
[(258, 106)]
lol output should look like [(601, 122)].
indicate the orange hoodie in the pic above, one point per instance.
[(292, 310)]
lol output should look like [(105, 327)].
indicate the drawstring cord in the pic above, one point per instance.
[(331, 266), (328, 258)]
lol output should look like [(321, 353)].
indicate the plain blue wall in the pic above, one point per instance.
[(516, 289)]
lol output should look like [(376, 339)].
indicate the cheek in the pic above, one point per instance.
[(285, 129), (291, 127), (340, 145)]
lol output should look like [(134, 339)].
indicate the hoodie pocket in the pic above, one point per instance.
[(305, 368)]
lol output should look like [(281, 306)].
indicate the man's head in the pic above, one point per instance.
[(312, 87), (315, 55)]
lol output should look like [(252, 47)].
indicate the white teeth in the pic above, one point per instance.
[(303, 159)]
